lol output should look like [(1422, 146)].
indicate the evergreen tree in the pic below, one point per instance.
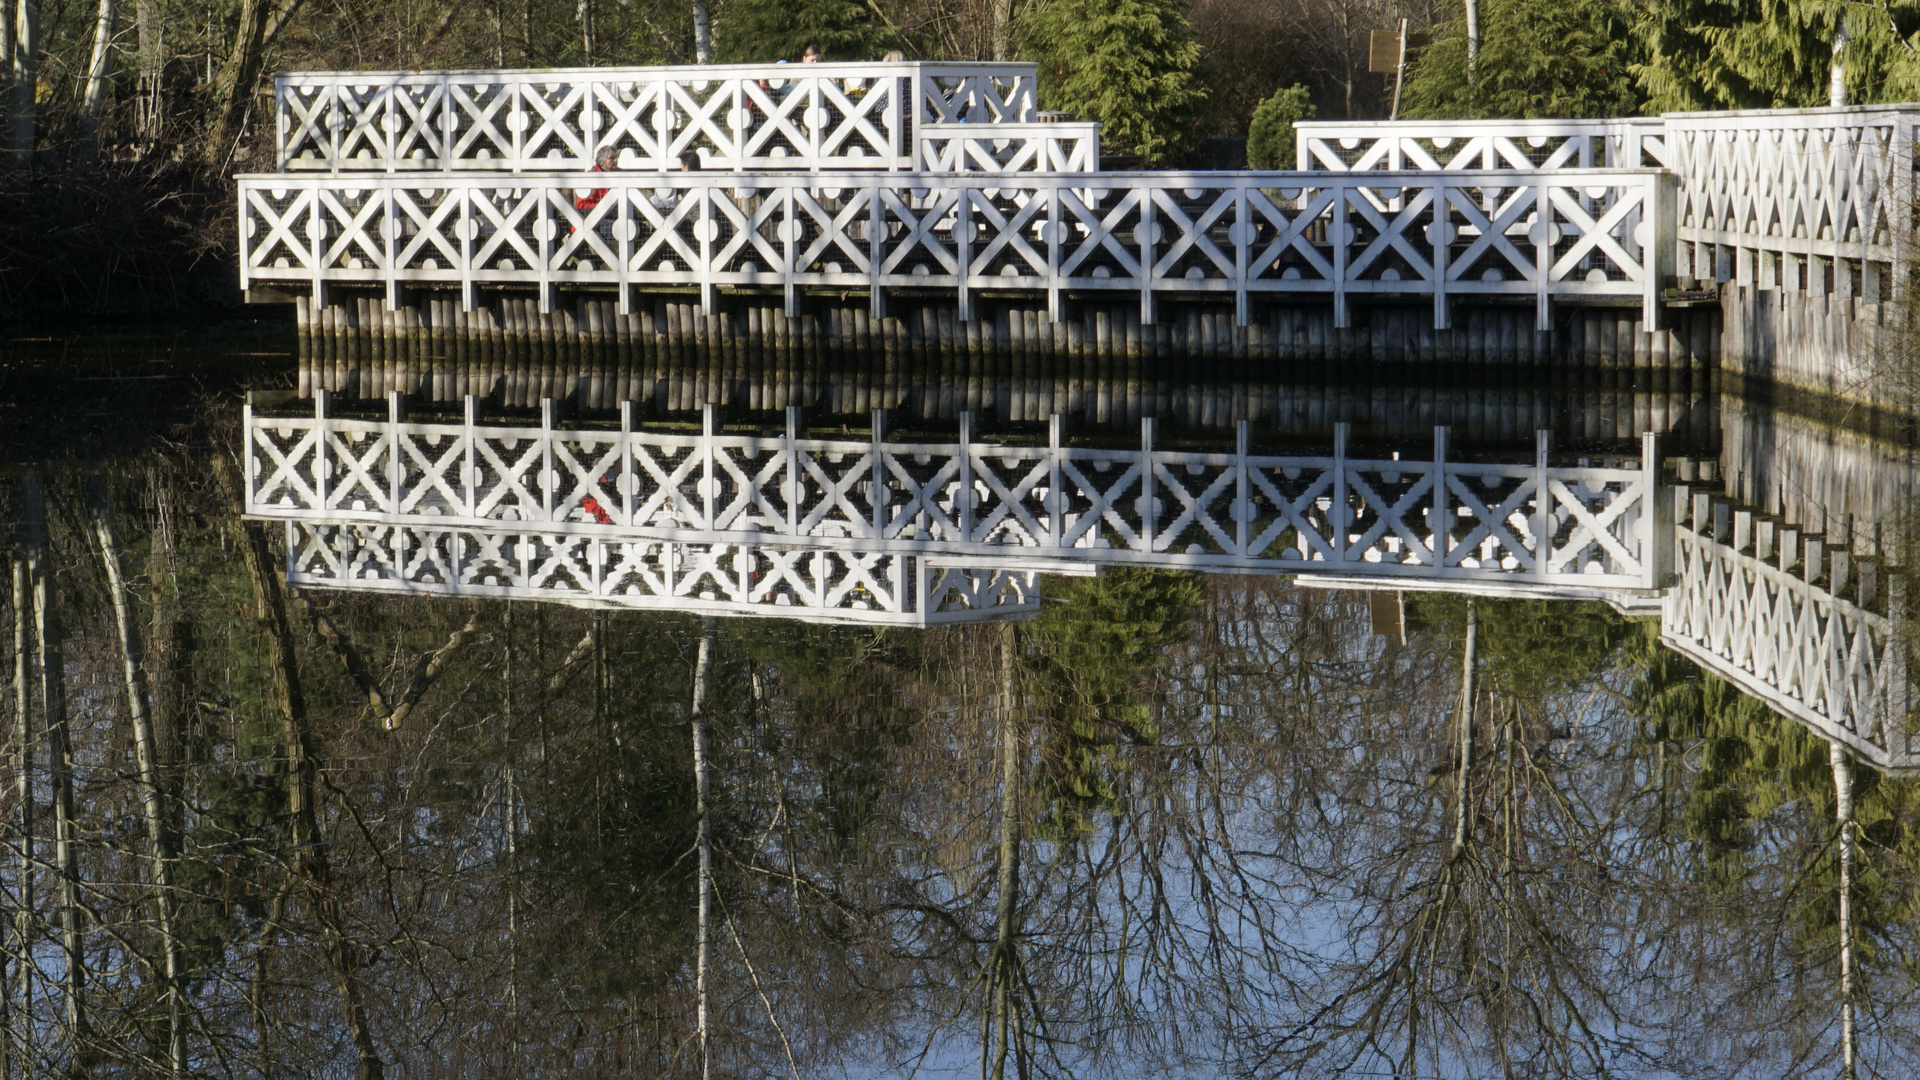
[(1549, 58), (1270, 137), (1758, 54), (1126, 63), (763, 31)]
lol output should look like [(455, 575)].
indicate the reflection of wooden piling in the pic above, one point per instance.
[(1600, 376)]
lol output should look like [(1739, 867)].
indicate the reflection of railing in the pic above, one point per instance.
[(1805, 629), (1348, 146), (1075, 506), (766, 116), (813, 585), (1010, 148), (1575, 235)]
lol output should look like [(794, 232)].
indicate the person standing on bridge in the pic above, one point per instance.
[(604, 160)]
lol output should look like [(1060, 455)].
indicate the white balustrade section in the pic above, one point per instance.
[(1010, 148), (1788, 627), (1025, 506), (809, 585), (1570, 234), (1432, 145), (737, 116), (1818, 200)]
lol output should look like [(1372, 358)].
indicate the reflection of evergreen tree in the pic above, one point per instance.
[(1763, 791), (1528, 649), (1093, 654)]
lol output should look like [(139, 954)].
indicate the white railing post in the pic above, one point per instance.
[(1242, 505), (1440, 530), (548, 410), (322, 458), (469, 466), (1056, 498), (966, 477), (877, 501), (708, 423), (1337, 512), (793, 470), (627, 485), (1149, 520), (1542, 506), (1442, 240)]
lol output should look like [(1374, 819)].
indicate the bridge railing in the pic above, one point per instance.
[(1804, 629), (1815, 200), (1010, 148), (811, 585), (1431, 145), (739, 117), (1578, 234), (1436, 519)]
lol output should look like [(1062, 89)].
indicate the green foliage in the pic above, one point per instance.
[(1759, 772), (1094, 651), (763, 31), (1537, 58), (1528, 649), (1126, 63), (1748, 54), (1270, 138)]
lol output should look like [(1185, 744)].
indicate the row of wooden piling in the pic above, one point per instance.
[(1598, 375)]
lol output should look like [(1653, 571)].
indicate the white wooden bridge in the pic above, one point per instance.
[(887, 177)]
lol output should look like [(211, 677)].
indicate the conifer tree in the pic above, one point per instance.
[(1758, 54), (763, 31), (1550, 58), (1126, 63), (1270, 137)]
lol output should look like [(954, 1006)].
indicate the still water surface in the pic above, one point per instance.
[(1175, 824)]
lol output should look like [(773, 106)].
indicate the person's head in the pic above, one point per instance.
[(605, 158), (689, 162), (894, 56), (812, 55)]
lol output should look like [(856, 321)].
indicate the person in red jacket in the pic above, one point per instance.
[(603, 161)]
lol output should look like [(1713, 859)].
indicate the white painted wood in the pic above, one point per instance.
[(1009, 148), (738, 116), (1572, 235), (1444, 145), (810, 585), (1796, 642), (1017, 505)]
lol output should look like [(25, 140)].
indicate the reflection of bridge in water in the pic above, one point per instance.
[(926, 530)]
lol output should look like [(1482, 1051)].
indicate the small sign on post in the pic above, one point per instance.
[(1387, 52)]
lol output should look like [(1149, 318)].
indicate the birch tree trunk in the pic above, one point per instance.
[(702, 33), (703, 840), (93, 101), (153, 61), (53, 702), (23, 792), (1473, 45), (1843, 817), (1002, 980), (1467, 692), (159, 842), (25, 62), (310, 863), (1002, 30)]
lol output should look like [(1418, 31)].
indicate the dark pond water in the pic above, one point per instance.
[(1171, 824)]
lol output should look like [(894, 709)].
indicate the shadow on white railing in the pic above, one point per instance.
[(1808, 631), (1805, 200), (740, 117), (1026, 506), (1582, 235)]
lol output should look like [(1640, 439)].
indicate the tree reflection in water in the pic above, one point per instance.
[(1175, 825)]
